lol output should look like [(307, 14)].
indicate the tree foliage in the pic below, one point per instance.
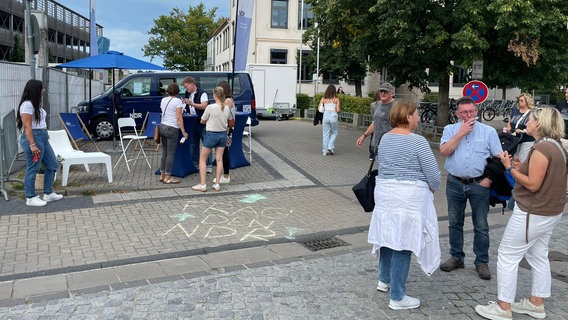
[(180, 38), (343, 29), (522, 42), (17, 53)]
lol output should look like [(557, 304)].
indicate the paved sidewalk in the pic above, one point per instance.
[(232, 254)]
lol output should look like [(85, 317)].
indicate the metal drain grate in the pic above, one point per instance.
[(558, 265), (320, 244)]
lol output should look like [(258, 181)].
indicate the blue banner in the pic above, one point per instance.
[(93, 30), (243, 22)]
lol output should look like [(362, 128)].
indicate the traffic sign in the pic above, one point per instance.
[(476, 90)]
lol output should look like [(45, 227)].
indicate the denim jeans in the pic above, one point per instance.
[(46, 156), (169, 136), (330, 129), (457, 195), (393, 269), (195, 139)]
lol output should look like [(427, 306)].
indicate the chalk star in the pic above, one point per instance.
[(253, 198), (183, 216)]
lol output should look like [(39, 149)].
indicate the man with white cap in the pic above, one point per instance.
[(381, 123)]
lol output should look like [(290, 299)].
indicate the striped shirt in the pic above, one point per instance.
[(408, 157)]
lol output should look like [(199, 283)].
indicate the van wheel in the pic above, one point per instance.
[(103, 129)]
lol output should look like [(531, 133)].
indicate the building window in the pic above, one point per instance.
[(329, 78), (279, 14), (308, 66), (278, 56), (308, 15)]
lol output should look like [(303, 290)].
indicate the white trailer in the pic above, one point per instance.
[(274, 89)]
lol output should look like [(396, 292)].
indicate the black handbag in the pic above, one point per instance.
[(365, 189)]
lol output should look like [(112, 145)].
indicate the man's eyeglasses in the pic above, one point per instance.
[(466, 112)]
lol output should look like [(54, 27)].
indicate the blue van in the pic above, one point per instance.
[(140, 93)]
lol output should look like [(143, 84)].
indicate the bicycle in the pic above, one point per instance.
[(430, 112), (496, 108)]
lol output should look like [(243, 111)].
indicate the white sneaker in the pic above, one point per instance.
[(493, 311), (209, 169), (52, 197), (35, 202), (223, 180), (200, 187), (216, 187), (406, 303), (526, 307), (383, 287)]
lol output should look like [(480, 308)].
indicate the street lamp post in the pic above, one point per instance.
[(301, 41)]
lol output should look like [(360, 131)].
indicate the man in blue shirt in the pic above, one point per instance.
[(466, 145)]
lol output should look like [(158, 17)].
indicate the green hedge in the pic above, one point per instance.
[(350, 104), (303, 101)]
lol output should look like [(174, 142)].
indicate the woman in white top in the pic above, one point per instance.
[(35, 143), (225, 178), (172, 122), (330, 128), (217, 119)]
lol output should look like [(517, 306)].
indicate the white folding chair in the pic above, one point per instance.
[(249, 134), (126, 123)]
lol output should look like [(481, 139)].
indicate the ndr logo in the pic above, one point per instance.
[(136, 115)]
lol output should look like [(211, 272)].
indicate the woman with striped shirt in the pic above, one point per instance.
[(404, 219)]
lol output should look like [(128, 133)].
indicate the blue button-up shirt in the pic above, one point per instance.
[(470, 156)]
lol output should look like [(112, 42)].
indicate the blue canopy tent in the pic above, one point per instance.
[(111, 60)]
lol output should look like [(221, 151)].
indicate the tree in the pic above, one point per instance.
[(529, 51), (522, 42), (180, 39), (17, 53), (343, 29)]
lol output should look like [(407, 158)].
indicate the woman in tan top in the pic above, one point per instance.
[(540, 192)]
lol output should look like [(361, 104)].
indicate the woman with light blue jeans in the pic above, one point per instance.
[(31, 118), (329, 105)]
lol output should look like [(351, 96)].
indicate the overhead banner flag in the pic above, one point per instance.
[(93, 29), (243, 23)]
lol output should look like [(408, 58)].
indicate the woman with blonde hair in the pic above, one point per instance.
[(518, 125), (540, 192), (217, 119)]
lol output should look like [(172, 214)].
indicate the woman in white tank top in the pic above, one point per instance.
[(329, 104)]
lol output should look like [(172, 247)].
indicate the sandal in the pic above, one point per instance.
[(162, 177), (172, 181)]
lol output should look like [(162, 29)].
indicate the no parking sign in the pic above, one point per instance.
[(476, 90)]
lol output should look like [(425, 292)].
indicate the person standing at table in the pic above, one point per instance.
[(225, 178), (466, 145), (217, 118), (31, 117), (171, 124), (330, 124), (196, 100)]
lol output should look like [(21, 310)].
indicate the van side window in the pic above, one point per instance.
[(137, 87)]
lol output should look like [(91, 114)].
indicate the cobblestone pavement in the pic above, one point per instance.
[(139, 249)]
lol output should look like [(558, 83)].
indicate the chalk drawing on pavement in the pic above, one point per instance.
[(252, 198), (182, 216), (222, 220), (292, 232)]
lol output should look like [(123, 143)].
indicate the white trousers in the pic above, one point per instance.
[(513, 248)]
